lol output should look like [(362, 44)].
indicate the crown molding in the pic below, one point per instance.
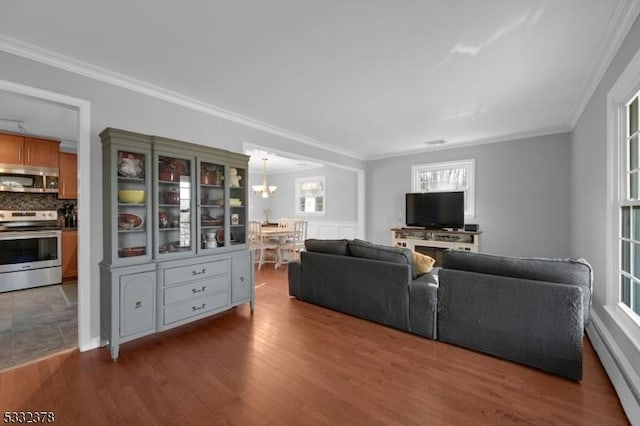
[(624, 17), (67, 63)]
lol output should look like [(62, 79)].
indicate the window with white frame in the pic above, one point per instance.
[(310, 196), (447, 176), (629, 210)]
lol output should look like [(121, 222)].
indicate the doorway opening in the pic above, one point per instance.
[(344, 195), (86, 272)]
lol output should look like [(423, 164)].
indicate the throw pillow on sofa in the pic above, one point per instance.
[(422, 263)]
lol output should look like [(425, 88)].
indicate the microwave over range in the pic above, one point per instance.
[(28, 179)]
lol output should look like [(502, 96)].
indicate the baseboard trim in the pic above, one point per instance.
[(617, 367), (92, 343)]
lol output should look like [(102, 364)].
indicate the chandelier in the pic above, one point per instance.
[(264, 191)]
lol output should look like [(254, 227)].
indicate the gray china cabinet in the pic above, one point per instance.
[(175, 234)]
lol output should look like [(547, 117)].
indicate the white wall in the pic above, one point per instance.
[(340, 220), (618, 348), (522, 194), (341, 194)]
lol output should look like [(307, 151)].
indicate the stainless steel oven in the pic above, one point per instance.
[(30, 249)]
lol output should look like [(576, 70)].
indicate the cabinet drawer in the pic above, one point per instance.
[(200, 288), (197, 271), (195, 307)]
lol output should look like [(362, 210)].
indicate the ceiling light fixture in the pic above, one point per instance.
[(18, 122), (264, 190)]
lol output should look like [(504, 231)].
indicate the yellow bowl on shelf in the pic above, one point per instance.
[(130, 196)]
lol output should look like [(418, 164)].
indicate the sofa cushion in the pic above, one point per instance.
[(422, 263), (576, 272), (365, 249), (339, 247)]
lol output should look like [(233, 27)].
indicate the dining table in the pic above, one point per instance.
[(281, 235)]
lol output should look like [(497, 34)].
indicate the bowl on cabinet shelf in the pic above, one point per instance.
[(172, 196), (131, 196), (206, 222), (132, 251)]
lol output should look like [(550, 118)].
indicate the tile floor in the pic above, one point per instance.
[(37, 322)]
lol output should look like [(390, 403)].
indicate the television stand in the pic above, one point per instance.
[(433, 242)]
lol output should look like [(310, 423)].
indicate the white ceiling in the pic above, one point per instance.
[(276, 163), (370, 78)]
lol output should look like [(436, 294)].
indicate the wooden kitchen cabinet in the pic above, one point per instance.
[(69, 254), (11, 147), (28, 151), (41, 152), (68, 183)]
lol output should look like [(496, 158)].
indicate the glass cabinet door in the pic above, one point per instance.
[(132, 206), (174, 195), (238, 205), (212, 216)]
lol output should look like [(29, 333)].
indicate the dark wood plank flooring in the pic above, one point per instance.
[(293, 363)]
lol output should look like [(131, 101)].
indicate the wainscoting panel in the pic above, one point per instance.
[(332, 230)]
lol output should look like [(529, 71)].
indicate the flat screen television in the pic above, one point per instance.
[(435, 210)]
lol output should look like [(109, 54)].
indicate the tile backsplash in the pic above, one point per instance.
[(27, 201)]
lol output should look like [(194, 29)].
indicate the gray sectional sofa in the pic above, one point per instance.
[(374, 282), (531, 311)]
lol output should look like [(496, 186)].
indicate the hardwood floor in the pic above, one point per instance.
[(293, 363)]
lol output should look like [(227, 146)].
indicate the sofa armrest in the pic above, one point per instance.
[(294, 278), (533, 322), (423, 300)]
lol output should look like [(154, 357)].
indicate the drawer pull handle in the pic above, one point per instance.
[(195, 290), (138, 305), (242, 279), (204, 271), (197, 308)]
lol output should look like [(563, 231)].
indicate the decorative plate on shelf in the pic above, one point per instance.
[(129, 221)]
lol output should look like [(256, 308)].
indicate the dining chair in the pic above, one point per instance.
[(260, 244), (300, 235), (287, 222), (291, 249)]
